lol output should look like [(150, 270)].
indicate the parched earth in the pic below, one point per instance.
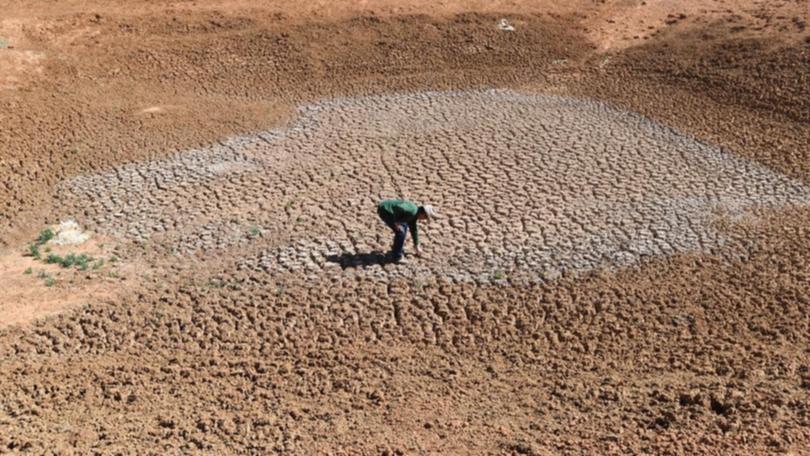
[(530, 186), (620, 266)]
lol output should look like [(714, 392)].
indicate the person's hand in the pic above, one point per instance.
[(418, 253)]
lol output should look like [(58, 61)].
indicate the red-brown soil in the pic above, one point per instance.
[(164, 353)]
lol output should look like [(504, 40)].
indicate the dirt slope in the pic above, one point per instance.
[(213, 351)]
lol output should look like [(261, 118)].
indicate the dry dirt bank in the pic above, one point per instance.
[(90, 85), (690, 354), (127, 87)]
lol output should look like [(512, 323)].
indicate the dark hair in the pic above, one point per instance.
[(421, 210)]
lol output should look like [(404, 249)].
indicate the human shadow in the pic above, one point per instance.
[(360, 260)]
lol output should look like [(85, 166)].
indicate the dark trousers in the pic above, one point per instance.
[(400, 230), (399, 239)]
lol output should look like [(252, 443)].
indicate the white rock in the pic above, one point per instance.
[(69, 232)]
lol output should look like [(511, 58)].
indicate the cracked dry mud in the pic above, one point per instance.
[(530, 186), (600, 283)]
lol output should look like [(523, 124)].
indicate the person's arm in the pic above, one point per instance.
[(415, 234)]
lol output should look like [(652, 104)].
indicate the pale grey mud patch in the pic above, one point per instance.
[(530, 186), (68, 232)]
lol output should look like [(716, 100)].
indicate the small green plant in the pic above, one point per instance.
[(45, 235), (69, 260), (499, 275), (54, 259), (83, 262), (98, 264), (3, 43), (113, 259), (33, 251), (28, 271), (112, 274), (49, 280), (254, 232)]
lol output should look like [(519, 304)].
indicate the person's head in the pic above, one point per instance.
[(426, 212)]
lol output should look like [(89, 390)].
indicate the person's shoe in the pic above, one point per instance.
[(398, 260)]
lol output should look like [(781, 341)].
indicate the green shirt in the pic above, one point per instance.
[(400, 211)]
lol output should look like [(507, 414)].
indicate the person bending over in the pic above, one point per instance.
[(400, 216)]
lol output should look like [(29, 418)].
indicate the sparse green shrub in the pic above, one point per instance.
[(254, 232), (499, 275), (33, 251), (98, 264), (45, 235), (28, 271), (83, 262), (49, 280), (54, 259), (69, 260)]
